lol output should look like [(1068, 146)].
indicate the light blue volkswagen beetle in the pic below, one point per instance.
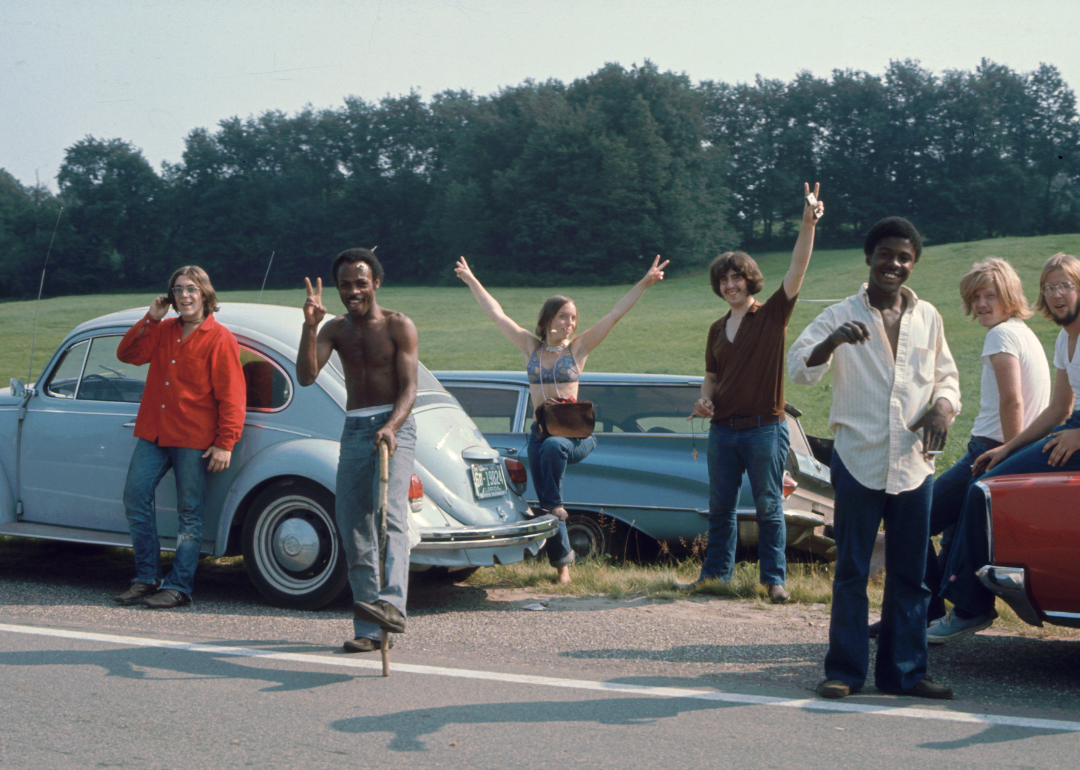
[(67, 441)]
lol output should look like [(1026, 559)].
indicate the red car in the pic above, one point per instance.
[(1034, 527)]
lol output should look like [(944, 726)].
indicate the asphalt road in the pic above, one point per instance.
[(479, 681)]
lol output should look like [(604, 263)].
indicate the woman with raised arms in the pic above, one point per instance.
[(554, 360)]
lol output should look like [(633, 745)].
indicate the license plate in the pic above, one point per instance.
[(488, 481)]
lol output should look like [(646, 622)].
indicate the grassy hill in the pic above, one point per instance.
[(664, 333)]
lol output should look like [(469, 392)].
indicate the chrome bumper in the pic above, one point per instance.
[(1009, 584), (518, 533)]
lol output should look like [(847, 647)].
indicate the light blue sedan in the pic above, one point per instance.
[(67, 441), (647, 481)]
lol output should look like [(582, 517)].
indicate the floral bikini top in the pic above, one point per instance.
[(565, 369)]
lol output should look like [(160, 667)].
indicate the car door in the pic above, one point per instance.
[(78, 436)]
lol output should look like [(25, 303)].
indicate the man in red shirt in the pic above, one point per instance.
[(192, 409)]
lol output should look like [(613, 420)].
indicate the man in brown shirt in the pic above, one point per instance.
[(743, 394)]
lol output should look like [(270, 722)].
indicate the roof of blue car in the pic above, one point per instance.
[(519, 377), (276, 321)]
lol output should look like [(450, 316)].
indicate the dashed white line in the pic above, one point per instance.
[(909, 712)]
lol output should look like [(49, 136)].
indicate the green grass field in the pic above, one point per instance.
[(664, 333)]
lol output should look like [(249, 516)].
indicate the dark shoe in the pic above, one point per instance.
[(778, 594), (874, 629), (924, 688), (834, 688), (135, 593), (382, 613), (166, 599), (363, 644)]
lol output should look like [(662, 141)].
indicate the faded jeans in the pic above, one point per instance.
[(357, 514), (761, 452), (149, 464), (548, 459)]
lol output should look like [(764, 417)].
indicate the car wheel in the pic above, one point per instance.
[(594, 534), (292, 551)]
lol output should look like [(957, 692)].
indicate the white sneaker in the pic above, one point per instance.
[(950, 628)]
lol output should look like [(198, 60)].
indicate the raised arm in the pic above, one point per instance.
[(804, 246), (522, 340), (315, 345), (589, 339)]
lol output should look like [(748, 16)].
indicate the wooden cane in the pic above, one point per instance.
[(384, 483)]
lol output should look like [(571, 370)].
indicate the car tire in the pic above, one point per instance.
[(292, 551)]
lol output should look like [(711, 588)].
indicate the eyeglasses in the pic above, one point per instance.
[(192, 289), (1064, 287)]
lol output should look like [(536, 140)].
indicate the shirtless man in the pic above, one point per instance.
[(378, 350), (891, 369)]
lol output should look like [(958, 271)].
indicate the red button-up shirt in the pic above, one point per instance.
[(195, 394)]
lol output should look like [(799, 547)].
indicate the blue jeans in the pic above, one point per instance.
[(761, 452), (548, 459), (356, 509), (950, 491), (149, 464), (901, 652), (971, 547)]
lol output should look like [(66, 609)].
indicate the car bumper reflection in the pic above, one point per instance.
[(518, 533)]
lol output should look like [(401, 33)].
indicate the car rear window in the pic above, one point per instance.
[(492, 409), (641, 408)]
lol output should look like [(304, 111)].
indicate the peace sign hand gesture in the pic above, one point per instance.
[(314, 312), (656, 272)]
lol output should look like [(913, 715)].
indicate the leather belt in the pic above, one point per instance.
[(743, 423)]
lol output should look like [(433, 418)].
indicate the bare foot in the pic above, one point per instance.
[(564, 574), (559, 513)]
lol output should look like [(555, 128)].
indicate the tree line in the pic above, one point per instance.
[(548, 183)]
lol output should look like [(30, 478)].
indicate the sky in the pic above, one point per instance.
[(151, 71)]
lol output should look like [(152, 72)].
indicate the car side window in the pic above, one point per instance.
[(641, 408), (268, 387), (65, 377), (492, 409), (105, 378)]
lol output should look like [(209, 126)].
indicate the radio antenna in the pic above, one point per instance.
[(33, 338), (272, 253)]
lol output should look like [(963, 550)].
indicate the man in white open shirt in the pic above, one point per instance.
[(891, 364)]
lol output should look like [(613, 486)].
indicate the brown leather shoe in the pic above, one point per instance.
[(363, 644), (924, 688), (382, 613), (135, 593), (778, 594), (166, 599)]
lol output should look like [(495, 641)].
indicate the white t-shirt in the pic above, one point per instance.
[(1015, 338), (1061, 361)]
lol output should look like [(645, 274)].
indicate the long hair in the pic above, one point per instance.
[(550, 308), (743, 264), (1069, 265), (995, 273), (199, 277)]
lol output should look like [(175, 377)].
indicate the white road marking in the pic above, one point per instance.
[(811, 704)]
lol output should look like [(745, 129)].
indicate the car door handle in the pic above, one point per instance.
[(128, 424), (508, 449)]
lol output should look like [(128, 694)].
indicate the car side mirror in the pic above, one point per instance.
[(18, 389)]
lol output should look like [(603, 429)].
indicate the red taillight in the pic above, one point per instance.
[(790, 484), (515, 471), (416, 494)]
